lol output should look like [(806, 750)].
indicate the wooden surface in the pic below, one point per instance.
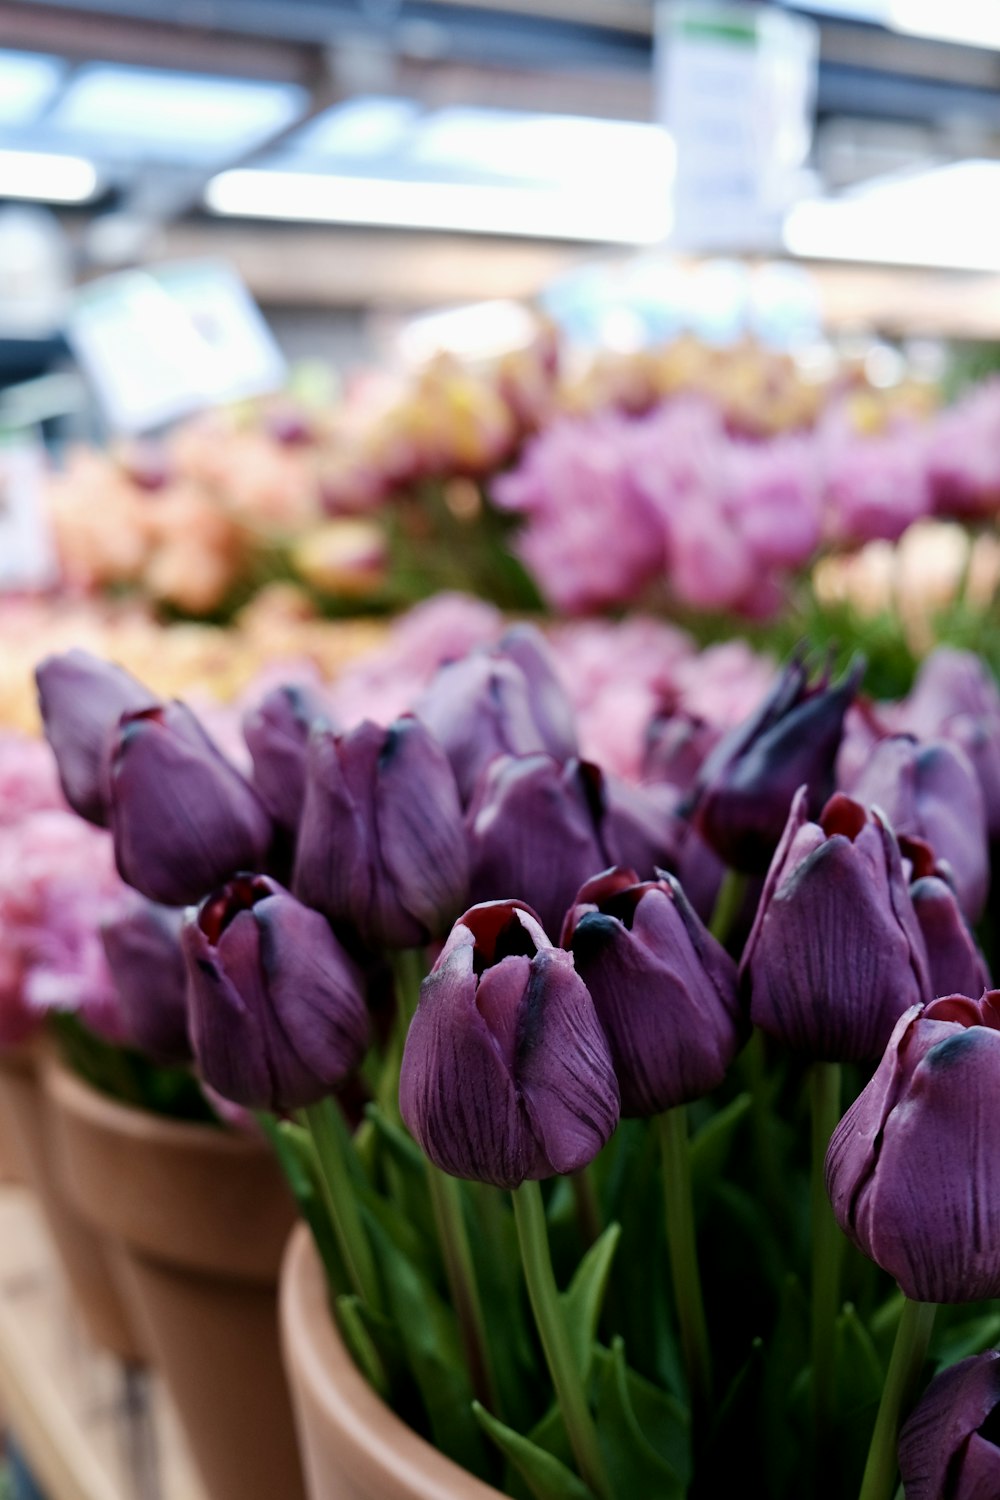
[(88, 1429)]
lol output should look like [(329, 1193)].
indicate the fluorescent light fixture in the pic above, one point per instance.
[(46, 178), (974, 23), (945, 218), (173, 116), (357, 130), (629, 212), (541, 148), (28, 81)]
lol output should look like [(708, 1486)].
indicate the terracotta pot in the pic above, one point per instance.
[(86, 1258), (354, 1447), (201, 1215)]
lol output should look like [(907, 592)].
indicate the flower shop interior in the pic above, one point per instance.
[(550, 448)]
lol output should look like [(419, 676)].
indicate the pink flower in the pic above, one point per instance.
[(57, 883), (386, 682), (591, 539), (964, 454), (28, 779), (774, 487), (875, 487)]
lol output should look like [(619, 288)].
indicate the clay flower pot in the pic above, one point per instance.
[(86, 1257), (201, 1216), (354, 1447)]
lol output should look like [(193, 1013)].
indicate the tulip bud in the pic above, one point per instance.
[(143, 950), (182, 816), (277, 734), (278, 1017), (663, 988), (381, 844), (538, 830), (82, 699), (956, 965), (956, 698), (507, 701), (949, 1448), (745, 788), (930, 792), (677, 747), (506, 1073), (913, 1169), (835, 955)]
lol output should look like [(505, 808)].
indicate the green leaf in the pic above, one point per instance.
[(783, 1424), (663, 1419), (519, 1371), (546, 1477), (428, 1330), (404, 1170), (635, 1467), (582, 1302), (296, 1154), (971, 1336), (859, 1369), (735, 1431), (711, 1146), (361, 1344)]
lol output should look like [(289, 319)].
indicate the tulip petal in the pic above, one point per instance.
[(831, 970), (419, 823), (931, 1209), (456, 1095), (564, 1067), (940, 1451), (225, 1033)]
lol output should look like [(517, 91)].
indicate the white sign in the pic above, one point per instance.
[(160, 344), (27, 551), (735, 88)]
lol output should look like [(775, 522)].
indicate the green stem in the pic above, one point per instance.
[(588, 1210), (683, 1251), (908, 1355), (409, 969), (768, 1167), (446, 1200), (332, 1142), (824, 1095), (529, 1214), (727, 905)]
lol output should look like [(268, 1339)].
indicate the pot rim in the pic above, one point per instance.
[(372, 1440), (78, 1097)]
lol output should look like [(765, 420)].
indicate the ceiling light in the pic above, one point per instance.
[(628, 213), (47, 178)]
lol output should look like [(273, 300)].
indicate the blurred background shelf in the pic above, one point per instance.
[(85, 1427)]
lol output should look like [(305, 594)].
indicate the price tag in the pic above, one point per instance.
[(27, 550), (735, 89), (161, 344)]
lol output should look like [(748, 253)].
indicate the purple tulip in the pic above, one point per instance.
[(277, 733), (835, 955), (182, 817), (663, 988), (506, 1073), (745, 788), (538, 830), (948, 1448), (278, 1016), (913, 1169), (677, 747), (82, 699), (956, 698), (956, 965), (930, 792), (381, 845), (143, 950), (506, 701)]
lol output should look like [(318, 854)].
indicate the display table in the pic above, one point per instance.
[(87, 1428)]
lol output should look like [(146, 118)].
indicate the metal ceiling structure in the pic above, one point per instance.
[(471, 91)]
